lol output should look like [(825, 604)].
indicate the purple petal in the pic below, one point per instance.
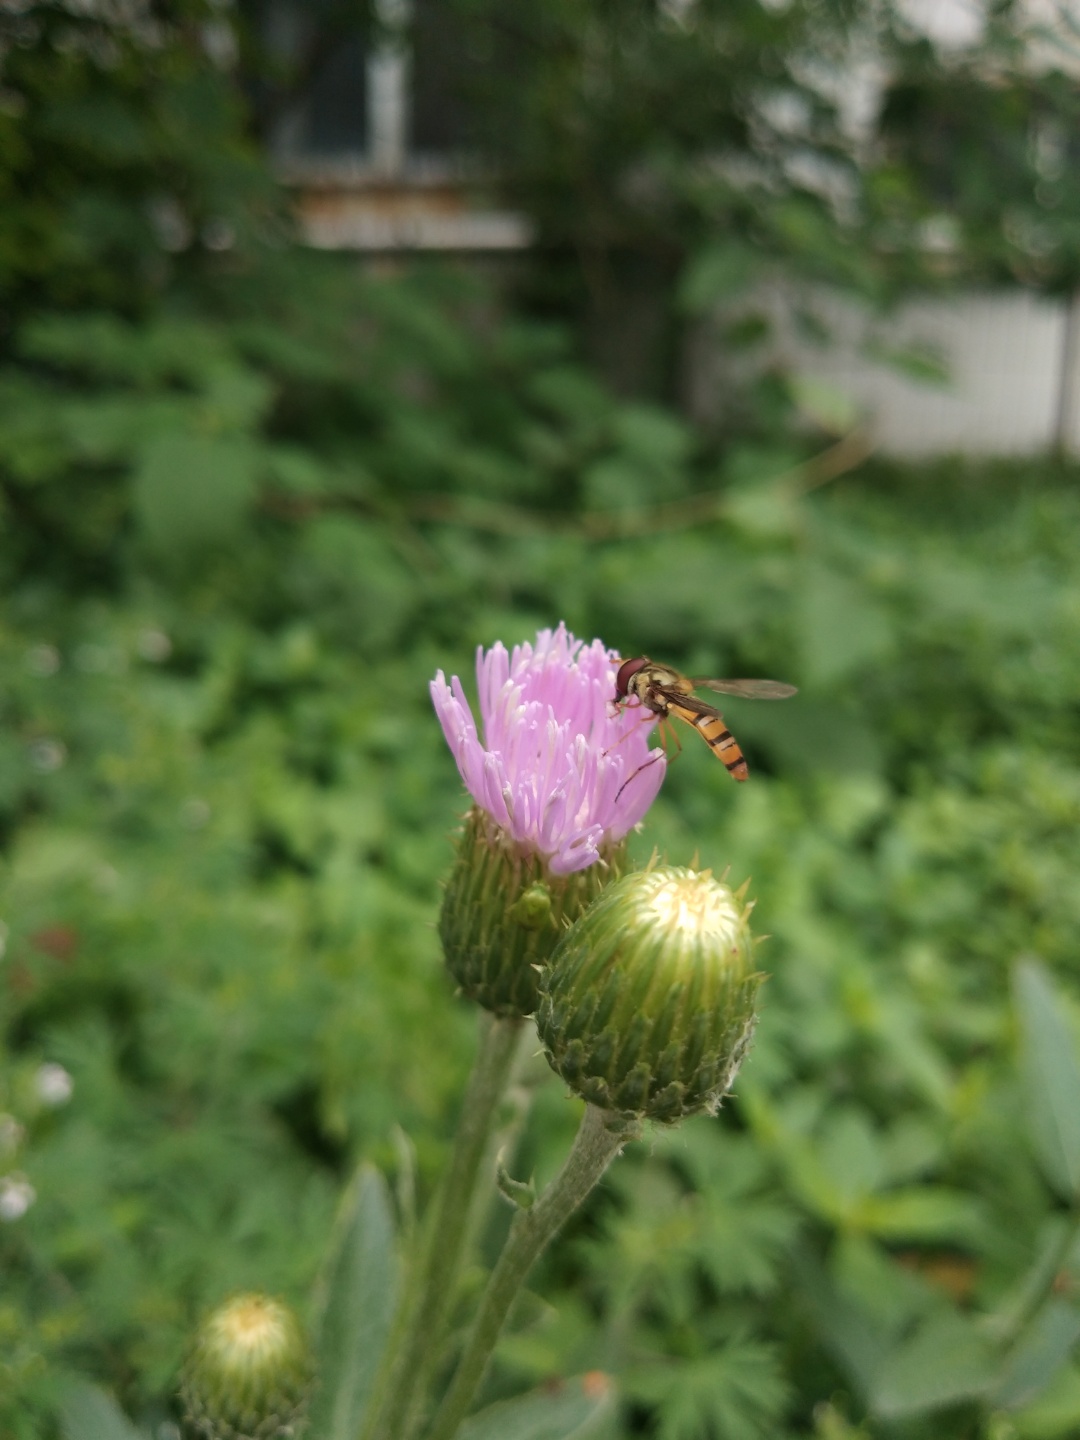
[(558, 768)]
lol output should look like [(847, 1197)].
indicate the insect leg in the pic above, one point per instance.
[(630, 729), (667, 730), (651, 761)]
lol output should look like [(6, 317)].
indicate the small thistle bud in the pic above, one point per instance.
[(532, 909), (647, 1005), (503, 914), (249, 1375)]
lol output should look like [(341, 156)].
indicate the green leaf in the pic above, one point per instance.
[(355, 1306), (1037, 1282), (925, 1212), (87, 1413), (1056, 1414), (716, 274), (826, 405), (616, 483), (850, 1154), (193, 489), (653, 437), (843, 629), (1042, 1350), (570, 1412), (735, 1389), (765, 510), (944, 1362), (855, 1339), (1050, 1075), (917, 362)]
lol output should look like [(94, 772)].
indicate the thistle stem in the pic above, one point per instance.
[(595, 1146), (426, 1304)]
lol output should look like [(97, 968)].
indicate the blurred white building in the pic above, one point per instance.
[(1010, 360), (373, 154), (1007, 363)]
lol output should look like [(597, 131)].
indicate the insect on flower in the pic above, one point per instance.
[(664, 691)]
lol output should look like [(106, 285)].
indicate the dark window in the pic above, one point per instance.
[(333, 114), (441, 66)]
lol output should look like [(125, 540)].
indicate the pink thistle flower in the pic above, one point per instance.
[(559, 770)]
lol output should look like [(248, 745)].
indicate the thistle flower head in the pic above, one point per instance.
[(249, 1373), (560, 773), (647, 1005)]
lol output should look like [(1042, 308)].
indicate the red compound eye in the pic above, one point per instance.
[(628, 669)]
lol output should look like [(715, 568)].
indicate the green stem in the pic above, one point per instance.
[(426, 1305), (594, 1149)]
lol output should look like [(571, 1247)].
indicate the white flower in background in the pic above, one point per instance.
[(16, 1197), (47, 755), (53, 1084), (43, 660), (154, 645)]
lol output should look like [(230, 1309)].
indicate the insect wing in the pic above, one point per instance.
[(747, 689), (677, 701)]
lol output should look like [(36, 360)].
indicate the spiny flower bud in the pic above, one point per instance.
[(503, 913), (647, 1004), (249, 1375)]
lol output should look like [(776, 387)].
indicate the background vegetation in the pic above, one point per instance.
[(253, 497)]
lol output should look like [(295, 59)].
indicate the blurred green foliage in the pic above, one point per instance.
[(251, 499)]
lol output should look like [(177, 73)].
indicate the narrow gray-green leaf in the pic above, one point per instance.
[(87, 1413), (1040, 1353), (1050, 1074), (571, 1412), (945, 1361), (355, 1306)]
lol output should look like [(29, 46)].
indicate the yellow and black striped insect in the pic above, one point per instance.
[(666, 692)]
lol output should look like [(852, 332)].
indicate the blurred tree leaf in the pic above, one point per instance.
[(770, 511), (916, 362), (824, 404), (716, 273), (842, 627), (193, 490)]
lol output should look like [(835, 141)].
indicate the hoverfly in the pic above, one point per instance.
[(666, 692)]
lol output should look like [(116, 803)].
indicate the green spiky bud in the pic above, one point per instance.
[(647, 1007), (249, 1375), (503, 913)]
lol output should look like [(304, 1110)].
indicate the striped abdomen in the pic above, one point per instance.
[(721, 741)]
